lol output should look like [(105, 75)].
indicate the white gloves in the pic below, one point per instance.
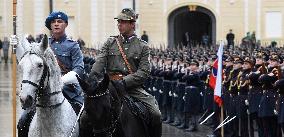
[(154, 89), (170, 93), (175, 95), (69, 78), (275, 112), (246, 102), (14, 40)]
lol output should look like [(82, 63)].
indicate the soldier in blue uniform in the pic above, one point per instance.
[(243, 89), (157, 79), (226, 82), (180, 93), (192, 95), (255, 93), (208, 91), (153, 65), (267, 105), (70, 60), (176, 69), (167, 89), (158, 84), (233, 90), (279, 84)]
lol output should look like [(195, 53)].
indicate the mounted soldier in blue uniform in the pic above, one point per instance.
[(70, 60)]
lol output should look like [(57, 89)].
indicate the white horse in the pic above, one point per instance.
[(41, 87)]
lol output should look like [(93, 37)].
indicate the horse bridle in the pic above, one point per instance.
[(40, 87)]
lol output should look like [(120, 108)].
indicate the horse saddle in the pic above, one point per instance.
[(137, 108)]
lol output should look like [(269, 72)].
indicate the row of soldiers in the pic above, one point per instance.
[(252, 90)]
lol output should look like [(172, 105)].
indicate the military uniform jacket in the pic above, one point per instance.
[(68, 53), (268, 100), (111, 61), (233, 89), (70, 56), (255, 91)]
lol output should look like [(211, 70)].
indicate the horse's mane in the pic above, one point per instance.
[(55, 72)]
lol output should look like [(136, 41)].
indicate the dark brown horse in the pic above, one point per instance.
[(106, 113)]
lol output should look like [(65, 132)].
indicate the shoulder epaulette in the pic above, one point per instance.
[(70, 39), (142, 41)]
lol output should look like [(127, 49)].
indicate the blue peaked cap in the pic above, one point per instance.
[(55, 15)]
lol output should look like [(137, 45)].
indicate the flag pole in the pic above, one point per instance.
[(222, 106), (222, 118), (14, 65)]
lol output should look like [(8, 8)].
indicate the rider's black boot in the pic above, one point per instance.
[(76, 107), (24, 122), (155, 128)]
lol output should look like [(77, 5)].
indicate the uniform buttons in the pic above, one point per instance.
[(112, 53), (126, 48), (267, 96), (124, 68), (55, 48), (136, 57), (56, 42)]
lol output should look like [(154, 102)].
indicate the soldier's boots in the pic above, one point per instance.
[(185, 122), (193, 124), (170, 117), (176, 121), (164, 114), (25, 121), (76, 107)]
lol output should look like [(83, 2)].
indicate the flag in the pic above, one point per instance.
[(213, 74), (215, 80)]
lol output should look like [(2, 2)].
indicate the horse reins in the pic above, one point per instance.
[(40, 87)]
